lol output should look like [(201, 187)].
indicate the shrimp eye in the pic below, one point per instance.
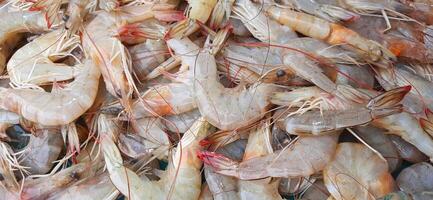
[(65, 18), (281, 73)]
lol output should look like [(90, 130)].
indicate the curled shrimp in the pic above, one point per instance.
[(31, 64), (333, 34), (14, 23), (181, 181), (356, 172), (58, 108), (246, 105)]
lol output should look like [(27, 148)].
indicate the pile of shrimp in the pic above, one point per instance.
[(216, 99)]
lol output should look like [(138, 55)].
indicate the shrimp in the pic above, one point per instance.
[(388, 7), (356, 172), (76, 12), (164, 99), (183, 172), (407, 151), (108, 54), (320, 122), (145, 59), (308, 155), (221, 14), (15, 23), (259, 145), (325, 11), (260, 26), (198, 11), (58, 108), (9, 117), (150, 130), (42, 150), (407, 126), (399, 76), (245, 105), (333, 34), (41, 188), (99, 187), (181, 122), (225, 187), (377, 139), (31, 64), (416, 178)]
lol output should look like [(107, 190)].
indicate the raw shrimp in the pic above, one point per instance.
[(356, 172), (181, 181), (99, 187), (41, 188), (42, 150), (222, 187), (416, 178), (14, 23), (164, 99), (31, 64), (308, 155), (319, 122), (225, 187), (146, 57), (59, 108), (407, 126), (333, 34), (260, 25), (407, 151), (377, 139), (198, 12), (258, 146), (181, 122), (423, 89), (387, 7), (154, 137), (325, 11), (9, 117), (221, 14), (108, 54), (76, 12), (244, 106)]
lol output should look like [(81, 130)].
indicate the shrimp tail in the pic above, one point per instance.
[(50, 8), (219, 163), (388, 103), (182, 29), (427, 124)]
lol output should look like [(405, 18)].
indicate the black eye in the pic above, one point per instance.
[(65, 18), (281, 73)]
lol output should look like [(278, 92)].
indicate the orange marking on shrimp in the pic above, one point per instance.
[(340, 34)]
